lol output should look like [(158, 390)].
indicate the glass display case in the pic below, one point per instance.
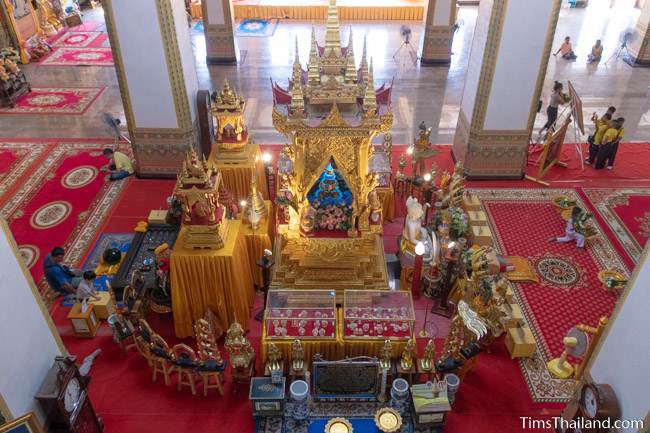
[(385, 314), (300, 314)]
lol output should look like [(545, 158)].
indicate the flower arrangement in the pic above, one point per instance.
[(333, 217), (564, 202), (582, 224), (459, 222), (285, 198)]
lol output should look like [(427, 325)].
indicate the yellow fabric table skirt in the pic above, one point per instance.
[(399, 11), (331, 349), (236, 172), (387, 197), (258, 240), (220, 280)]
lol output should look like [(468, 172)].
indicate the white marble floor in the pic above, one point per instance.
[(421, 93)]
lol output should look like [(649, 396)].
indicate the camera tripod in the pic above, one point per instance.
[(621, 52), (406, 45)]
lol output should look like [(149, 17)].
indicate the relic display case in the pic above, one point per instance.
[(300, 314), (384, 314)]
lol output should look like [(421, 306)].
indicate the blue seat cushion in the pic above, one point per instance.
[(211, 365)]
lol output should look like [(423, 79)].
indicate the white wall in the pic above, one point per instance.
[(624, 356), (442, 13), (27, 344), (476, 58), (186, 54), (143, 56), (518, 64)]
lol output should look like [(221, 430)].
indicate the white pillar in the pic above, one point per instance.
[(438, 32), (220, 43), (639, 46), (505, 74), (155, 70)]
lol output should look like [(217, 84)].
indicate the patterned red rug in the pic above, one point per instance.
[(55, 100), (626, 212), (66, 56), (80, 39), (55, 194), (569, 292)]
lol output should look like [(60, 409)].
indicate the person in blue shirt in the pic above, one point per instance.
[(61, 278)]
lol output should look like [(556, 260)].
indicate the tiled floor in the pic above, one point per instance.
[(431, 94)]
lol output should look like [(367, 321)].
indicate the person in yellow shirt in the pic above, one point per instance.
[(609, 147), (120, 165), (595, 140)]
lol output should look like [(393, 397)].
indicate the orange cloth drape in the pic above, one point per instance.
[(220, 280), (387, 197), (258, 240), (237, 174)]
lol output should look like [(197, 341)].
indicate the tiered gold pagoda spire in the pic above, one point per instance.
[(313, 71), (297, 100), (332, 35), (370, 98), (350, 67), (364, 60)]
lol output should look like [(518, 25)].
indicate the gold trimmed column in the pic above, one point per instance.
[(438, 32), (158, 83), (505, 74), (639, 45), (220, 43)]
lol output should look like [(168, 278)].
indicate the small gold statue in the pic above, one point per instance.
[(386, 354), (274, 362), (429, 356), (297, 356), (239, 348), (407, 355)]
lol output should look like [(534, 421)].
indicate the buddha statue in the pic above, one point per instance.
[(297, 356), (239, 347), (386, 354), (274, 362), (429, 356), (413, 233), (406, 363), (376, 208)]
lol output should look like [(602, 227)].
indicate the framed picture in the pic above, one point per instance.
[(264, 406), (25, 424)]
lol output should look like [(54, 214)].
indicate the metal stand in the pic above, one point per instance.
[(621, 52), (410, 50)]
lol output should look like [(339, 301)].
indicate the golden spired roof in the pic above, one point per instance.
[(332, 35), (227, 99)]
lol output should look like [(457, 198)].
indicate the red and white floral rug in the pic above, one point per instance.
[(79, 39), (55, 100), (68, 56)]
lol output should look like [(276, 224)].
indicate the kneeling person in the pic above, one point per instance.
[(120, 165)]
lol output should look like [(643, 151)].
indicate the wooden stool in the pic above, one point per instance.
[(242, 375), (209, 369)]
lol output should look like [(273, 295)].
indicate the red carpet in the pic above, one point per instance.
[(79, 38), (56, 195), (626, 214), (65, 56), (491, 399), (569, 291), (55, 100)]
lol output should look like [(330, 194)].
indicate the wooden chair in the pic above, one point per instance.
[(161, 358), (185, 363), (123, 331), (144, 333), (211, 364)]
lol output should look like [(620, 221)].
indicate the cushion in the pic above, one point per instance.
[(211, 365)]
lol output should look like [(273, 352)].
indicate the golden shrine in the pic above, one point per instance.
[(233, 154), (329, 216), (197, 188)]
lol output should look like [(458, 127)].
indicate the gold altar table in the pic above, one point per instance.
[(331, 349), (237, 169), (220, 280), (387, 197), (258, 240)]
